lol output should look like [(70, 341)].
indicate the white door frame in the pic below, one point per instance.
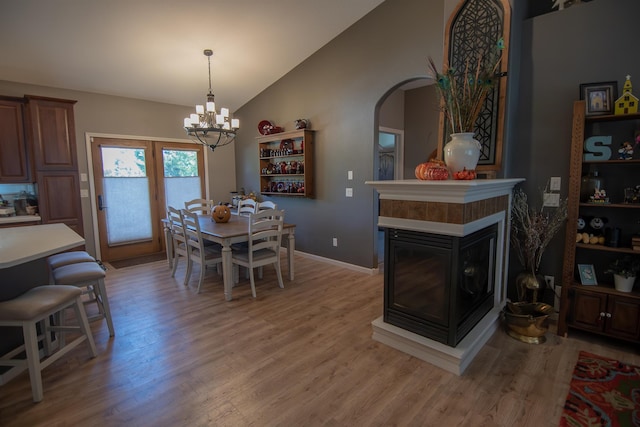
[(92, 189), (399, 150)]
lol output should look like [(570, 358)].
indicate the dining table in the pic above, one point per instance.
[(236, 230)]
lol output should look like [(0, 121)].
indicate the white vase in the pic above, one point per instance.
[(623, 284), (462, 152)]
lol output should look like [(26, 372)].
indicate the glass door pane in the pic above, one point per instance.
[(181, 177), (126, 195)]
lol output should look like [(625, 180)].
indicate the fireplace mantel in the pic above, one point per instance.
[(451, 208)]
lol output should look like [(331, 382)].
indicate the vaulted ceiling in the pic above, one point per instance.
[(153, 49)]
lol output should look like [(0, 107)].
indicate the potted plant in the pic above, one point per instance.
[(531, 232), (462, 95), (624, 270)]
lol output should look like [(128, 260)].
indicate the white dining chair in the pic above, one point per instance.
[(263, 248), (179, 241), (199, 206), (267, 204), (206, 256), (246, 207)]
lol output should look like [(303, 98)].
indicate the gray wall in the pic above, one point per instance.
[(338, 88), (594, 42)]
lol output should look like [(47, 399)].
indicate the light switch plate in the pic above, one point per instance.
[(349, 192), (551, 200), (554, 184), (349, 175)]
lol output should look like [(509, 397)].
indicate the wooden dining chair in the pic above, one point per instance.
[(206, 256), (246, 207), (267, 204), (179, 240), (199, 206), (265, 233)]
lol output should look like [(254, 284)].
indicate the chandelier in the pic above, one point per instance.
[(207, 126)]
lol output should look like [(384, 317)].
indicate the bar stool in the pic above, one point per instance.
[(35, 306), (88, 275), (66, 258)]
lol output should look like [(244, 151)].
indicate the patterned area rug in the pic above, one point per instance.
[(603, 392)]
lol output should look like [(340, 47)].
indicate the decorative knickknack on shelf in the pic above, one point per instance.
[(462, 152)]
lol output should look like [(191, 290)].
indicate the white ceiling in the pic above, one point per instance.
[(152, 49)]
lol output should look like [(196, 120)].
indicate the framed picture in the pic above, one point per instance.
[(587, 274), (599, 97)]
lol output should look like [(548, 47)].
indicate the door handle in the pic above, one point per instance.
[(100, 205)]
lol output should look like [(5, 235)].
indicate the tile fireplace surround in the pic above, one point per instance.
[(451, 208)]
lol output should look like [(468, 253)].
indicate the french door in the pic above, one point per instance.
[(135, 180)]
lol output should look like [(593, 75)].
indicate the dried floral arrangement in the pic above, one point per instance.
[(463, 92), (532, 230)]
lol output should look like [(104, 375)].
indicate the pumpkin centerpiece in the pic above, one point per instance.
[(433, 170), (221, 213)]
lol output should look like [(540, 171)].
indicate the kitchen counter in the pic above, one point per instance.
[(16, 219), (19, 245)]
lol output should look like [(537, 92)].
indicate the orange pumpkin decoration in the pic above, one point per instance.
[(433, 170), (221, 213)]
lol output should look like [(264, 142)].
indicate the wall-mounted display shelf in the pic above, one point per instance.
[(286, 163)]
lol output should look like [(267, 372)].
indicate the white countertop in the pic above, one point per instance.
[(27, 243), (19, 218)]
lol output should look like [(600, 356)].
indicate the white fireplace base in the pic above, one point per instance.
[(452, 359), (453, 208)]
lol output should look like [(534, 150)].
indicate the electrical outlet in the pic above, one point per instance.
[(335, 241)]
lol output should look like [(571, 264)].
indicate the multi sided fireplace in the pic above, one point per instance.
[(445, 266), (439, 286)]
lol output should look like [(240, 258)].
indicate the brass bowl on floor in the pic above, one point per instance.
[(527, 322)]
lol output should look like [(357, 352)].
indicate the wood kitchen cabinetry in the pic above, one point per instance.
[(14, 149), (600, 308), (52, 131), (286, 163)]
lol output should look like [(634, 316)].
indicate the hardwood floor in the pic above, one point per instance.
[(299, 356)]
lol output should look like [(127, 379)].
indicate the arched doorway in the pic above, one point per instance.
[(409, 109)]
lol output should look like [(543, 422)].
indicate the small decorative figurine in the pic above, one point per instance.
[(625, 152), (599, 196), (627, 103), (302, 124)]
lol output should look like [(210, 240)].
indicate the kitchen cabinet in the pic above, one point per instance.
[(14, 149), (600, 308), (286, 163), (52, 133), (59, 200)]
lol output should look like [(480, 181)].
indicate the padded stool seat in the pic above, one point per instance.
[(66, 258), (89, 275), (35, 306)]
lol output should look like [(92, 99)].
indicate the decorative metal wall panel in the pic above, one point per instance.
[(475, 31)]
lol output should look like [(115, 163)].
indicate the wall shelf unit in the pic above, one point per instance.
[(601, 309), (286, 163)]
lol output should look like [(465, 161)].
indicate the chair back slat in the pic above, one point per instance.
[(246, 207), (199, 206)]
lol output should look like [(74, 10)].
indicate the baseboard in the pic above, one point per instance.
[(358, 268)]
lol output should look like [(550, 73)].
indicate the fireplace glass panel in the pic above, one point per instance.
[(420, 275)]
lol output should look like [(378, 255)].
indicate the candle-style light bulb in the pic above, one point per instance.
[(199, 109)]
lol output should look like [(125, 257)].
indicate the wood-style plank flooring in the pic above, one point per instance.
[(299, 356)]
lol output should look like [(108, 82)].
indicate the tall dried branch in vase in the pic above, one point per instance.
[(532, 230)]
